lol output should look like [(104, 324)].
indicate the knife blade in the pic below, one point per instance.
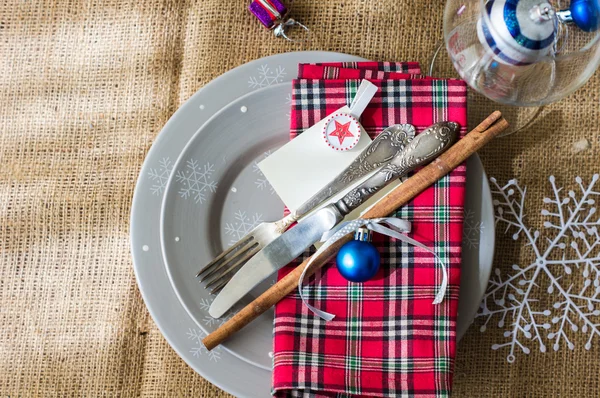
[(420, 151), (272, 257)]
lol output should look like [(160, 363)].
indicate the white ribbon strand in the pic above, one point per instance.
[(396, 228)]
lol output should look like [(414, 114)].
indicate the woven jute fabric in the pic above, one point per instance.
[(86, 86)]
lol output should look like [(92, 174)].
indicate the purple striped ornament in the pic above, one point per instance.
[(269, 12)]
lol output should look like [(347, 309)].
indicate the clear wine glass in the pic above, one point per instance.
[(518, 55)]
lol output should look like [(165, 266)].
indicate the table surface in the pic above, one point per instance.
[(86, 87)]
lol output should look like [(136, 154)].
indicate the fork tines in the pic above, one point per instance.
[(218, 272)]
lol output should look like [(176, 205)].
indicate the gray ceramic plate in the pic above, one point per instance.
[(227, 214), (216, 195)]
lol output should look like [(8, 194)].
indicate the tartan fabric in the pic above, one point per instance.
[(308, 71), (404, 67), (388, 339)]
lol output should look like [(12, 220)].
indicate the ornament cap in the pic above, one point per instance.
[(363, 234)]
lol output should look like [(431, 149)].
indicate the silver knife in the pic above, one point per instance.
[(421, 150)]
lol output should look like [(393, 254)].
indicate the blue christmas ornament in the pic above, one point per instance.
[(584, 13), (358, 260)]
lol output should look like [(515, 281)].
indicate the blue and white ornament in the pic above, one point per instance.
[(517, 32), (521, 32), (358, 260)]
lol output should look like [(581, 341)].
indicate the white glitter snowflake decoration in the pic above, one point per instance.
[(196, 181), (566, 268), (242, 225), (267, 77)]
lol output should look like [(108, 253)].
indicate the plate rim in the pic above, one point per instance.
[(486, 193), (165, 203)]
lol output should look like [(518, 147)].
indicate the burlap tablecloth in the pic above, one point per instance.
[(86, 86)]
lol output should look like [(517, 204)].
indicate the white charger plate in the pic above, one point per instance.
[(183, 326)]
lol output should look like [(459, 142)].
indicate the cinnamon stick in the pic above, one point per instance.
[(398, 197)]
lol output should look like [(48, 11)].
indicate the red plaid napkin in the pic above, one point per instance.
[(387, 339), (404, 67), (308, 71)]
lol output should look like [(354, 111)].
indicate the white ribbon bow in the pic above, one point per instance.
[(396, 228)]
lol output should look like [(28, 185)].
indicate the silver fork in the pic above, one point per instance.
[(384, 147)]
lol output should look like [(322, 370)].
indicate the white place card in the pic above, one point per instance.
[(303, 166)]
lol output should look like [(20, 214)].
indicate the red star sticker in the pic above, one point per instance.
[(341, 131)]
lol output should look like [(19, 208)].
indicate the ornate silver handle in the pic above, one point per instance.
[(384, 147), (424, 148)]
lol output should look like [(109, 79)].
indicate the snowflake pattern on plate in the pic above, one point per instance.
[(242, 225), (267, 77), (196, 181), (213, 323), (204, 304), (472, 229), (208, 320), (198, 349), (288, 101), (261, 181), (566, 267), (160, 176)]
